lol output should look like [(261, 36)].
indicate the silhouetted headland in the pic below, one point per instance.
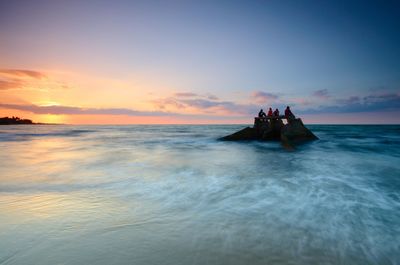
[(15, 120), (270, 128)]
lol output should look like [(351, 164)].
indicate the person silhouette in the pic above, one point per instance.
[(288, 113), (270, 113)]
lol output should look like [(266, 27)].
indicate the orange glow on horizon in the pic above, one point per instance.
[(123, 119), (52, 118), (117, 100)]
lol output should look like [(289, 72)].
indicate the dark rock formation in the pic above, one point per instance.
[(295, 132), (273, 128), (247, 133)]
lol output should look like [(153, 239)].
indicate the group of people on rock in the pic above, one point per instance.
[(288, 113)]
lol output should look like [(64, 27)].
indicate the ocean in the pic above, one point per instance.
[(174, 194)]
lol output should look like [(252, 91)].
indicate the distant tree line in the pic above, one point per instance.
[(14, 120)]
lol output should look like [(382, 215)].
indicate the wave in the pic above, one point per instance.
[(333, 201), (23, 136)]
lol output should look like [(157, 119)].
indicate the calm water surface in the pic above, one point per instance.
[(175, 195)]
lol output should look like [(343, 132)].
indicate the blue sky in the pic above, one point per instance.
[(322, 57)]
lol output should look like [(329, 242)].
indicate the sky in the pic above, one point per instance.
[(199, 62)]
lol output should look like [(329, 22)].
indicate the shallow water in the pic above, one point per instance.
[(175, 195)]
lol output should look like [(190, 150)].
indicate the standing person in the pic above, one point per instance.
[(270, 112), (276, 113), (288, 113)]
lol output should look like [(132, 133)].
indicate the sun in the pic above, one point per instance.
[(52, 118), (47, 103)]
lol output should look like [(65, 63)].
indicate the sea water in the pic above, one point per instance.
[(174, 194)]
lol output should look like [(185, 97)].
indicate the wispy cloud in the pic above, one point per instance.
[(165, 103), (212, 97), (195, 95), (22, 73), (203, 104), (209, 106), (262, 97), (352, 100), (71, 110), (28, 79), (11, 83), (353, 104), (185, 95), (321, 94)]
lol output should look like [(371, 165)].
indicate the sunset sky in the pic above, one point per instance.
[(126, 62)]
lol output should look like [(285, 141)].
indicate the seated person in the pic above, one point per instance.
[(270, 112), (261, 114), (276, 113), (288, 113)]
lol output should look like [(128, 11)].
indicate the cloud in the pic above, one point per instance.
[(28, 79), (355, 104), (386, 97), (22, 73), (185, 95), (225, 107), (70, 110), (167, 102), (378, 102), (262, 97), (299, 102), (202, 103), (372, 102), (19, 79), (205, 104), (322, 94), (349, 101), (6, 84), (212, 97), (211, 105), (194, 95)]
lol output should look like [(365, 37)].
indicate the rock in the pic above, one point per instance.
[(244, 134), (272, 128), (295, 132)]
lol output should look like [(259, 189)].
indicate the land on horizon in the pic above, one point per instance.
[(14, 120), (17, 120)]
